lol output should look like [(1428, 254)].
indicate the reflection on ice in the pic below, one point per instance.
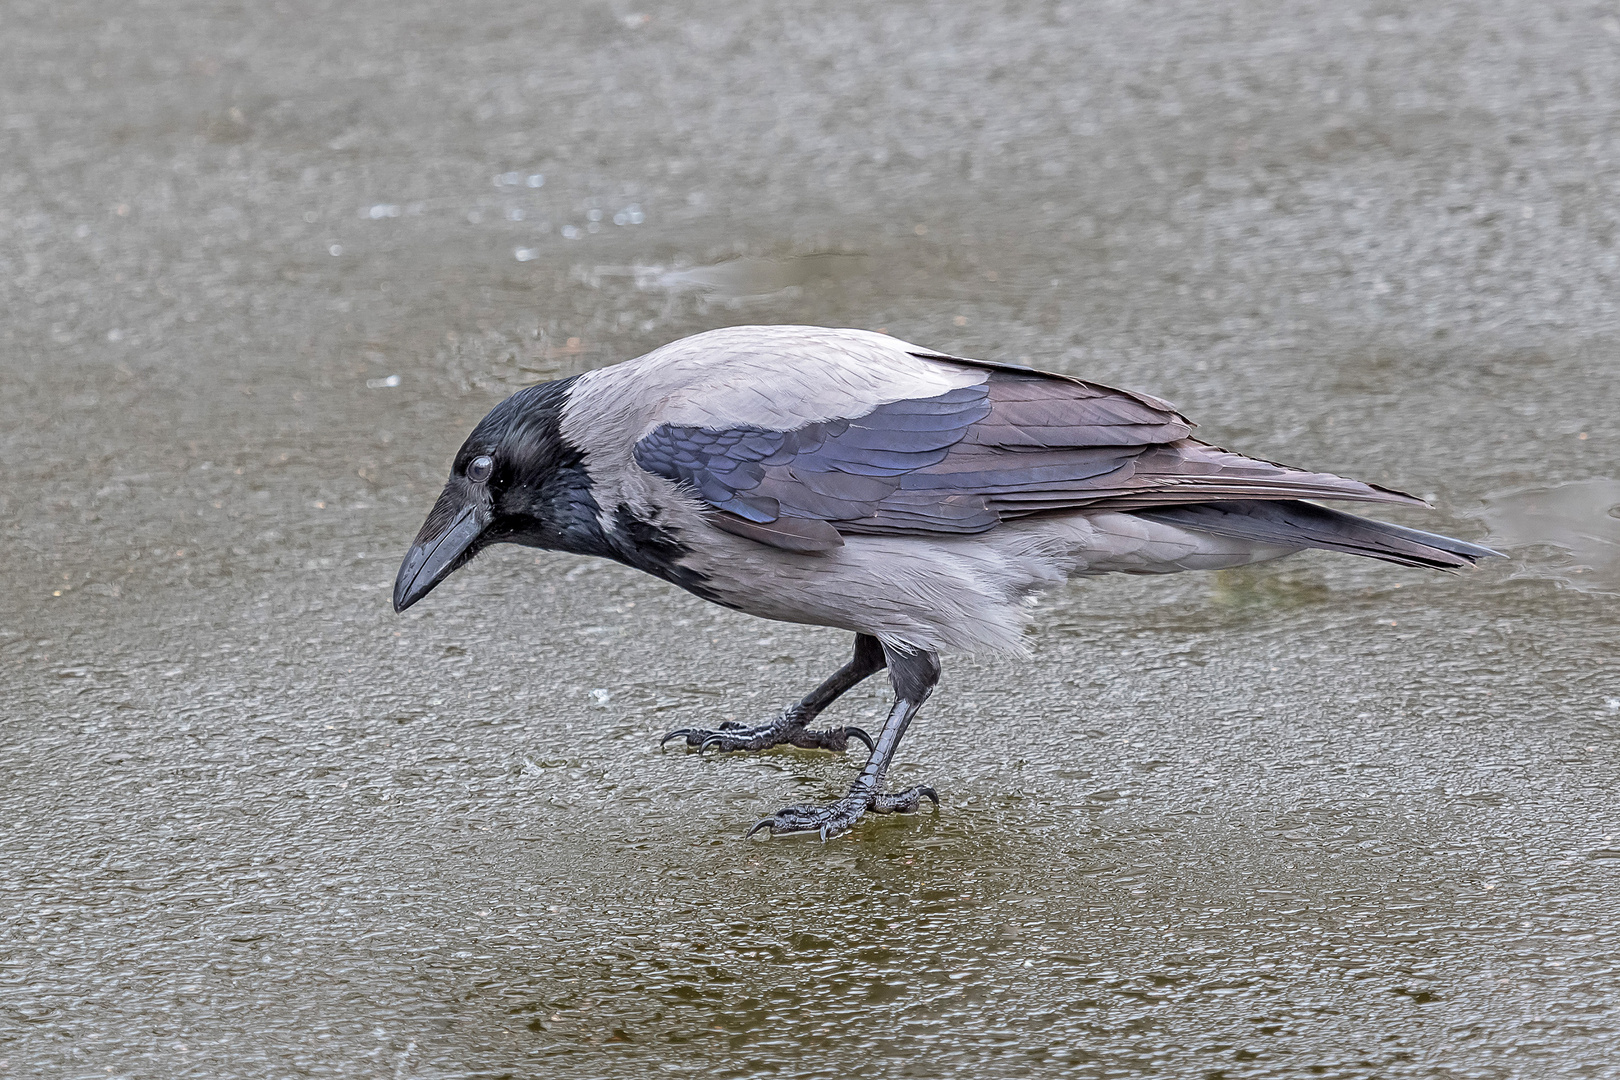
[(518, 179), (1580, 519), (735, 278), (760, 277)]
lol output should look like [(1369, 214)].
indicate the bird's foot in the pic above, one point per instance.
[(787, 729), (837, 817)]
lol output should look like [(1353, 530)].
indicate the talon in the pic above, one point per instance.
[(857, 733), (762, 823), (903, 802), (682, 733), (712, 740)]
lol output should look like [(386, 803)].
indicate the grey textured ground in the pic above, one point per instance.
[(1325, 818)]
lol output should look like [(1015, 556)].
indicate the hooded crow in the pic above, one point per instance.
[(845, 478)]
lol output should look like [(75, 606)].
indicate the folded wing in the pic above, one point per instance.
[(1021, 442)]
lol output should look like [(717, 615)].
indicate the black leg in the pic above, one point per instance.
[(914, 676), (789, 728)]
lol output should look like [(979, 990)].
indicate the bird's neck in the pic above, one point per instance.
[(569, 518)]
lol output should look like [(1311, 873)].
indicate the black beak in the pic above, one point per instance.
[(448, 539)]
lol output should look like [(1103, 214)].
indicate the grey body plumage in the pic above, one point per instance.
[(848, 479)]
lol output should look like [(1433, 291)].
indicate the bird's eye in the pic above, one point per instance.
[(479, 468)]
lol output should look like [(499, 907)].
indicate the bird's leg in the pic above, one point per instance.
[(914, 676), (789, 727)]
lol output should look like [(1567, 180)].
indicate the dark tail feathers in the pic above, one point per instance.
[(1306, 525)]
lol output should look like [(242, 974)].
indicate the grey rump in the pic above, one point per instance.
[(846, 478)]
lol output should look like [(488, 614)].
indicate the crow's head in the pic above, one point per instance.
[(515, 480)]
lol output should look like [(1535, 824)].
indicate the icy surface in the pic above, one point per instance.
[(1325, 818)]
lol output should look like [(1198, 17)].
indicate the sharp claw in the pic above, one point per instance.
[(712, 740), (930, 792), (857, 733), (682, 733), (763, 823)]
